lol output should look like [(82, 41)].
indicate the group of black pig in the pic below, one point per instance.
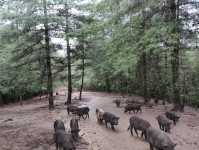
[(164, 120), (64, 139), (158, 138), (81, 112), (107, 117)]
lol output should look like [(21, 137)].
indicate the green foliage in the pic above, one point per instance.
[(115, 36), (131, 29)]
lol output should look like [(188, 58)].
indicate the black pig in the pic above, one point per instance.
[(71, 108), (133, 107), (110, 118), (81, 112), (63, 140), (117, 103), (159, 139), (59, 125), (74, 126), (164, 123), (138, 124), (172, 116)]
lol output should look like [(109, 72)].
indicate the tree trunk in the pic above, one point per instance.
[(68, 57), (20, 97), (174, 9), (48, 59), (108, 84), (165, 85), (139, 75), (158, 77), (82, 82), (175, 80), (40, 93), (144, 80), (1, 100)]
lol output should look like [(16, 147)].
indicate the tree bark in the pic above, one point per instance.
[(158, 77), (174, 10), (144, 80), (68, 57), (82, 80), (20, 97), (48, 59), (165, 85), (1, 100), (108, 89)]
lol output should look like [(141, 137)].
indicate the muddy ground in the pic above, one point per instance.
[(30, 127)]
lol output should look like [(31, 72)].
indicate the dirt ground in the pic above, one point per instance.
[(30, 127)]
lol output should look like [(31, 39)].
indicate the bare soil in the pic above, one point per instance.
[(30, 127)]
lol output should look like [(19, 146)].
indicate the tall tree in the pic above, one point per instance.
[(174, 18), (68, 54), (48, 58), (82, 66)]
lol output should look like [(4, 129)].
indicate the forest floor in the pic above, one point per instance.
[(30, 126)]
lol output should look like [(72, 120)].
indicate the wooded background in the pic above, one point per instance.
[(142, 47)]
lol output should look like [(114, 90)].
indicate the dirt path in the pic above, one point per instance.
[(105, 138), (32, 125)]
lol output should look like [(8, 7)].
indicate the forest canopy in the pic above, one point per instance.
[(144, 47)]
